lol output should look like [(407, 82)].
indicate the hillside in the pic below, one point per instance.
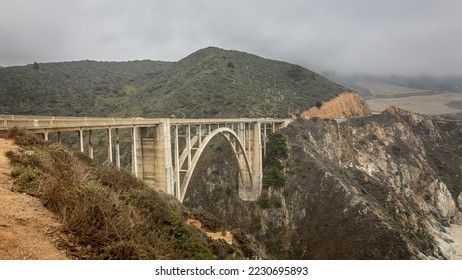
[(208, 83), (385, 186), (84, 88), (103, 212), (218, 83)]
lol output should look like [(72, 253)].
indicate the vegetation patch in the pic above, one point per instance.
[(109, 213), (274, 178)]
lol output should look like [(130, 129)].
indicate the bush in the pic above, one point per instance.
[(274, 178), (22, 138), (264, 201), (25, 178), (276, 150), (276, 202)]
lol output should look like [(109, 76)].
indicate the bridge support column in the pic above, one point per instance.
[(90, 144), (251, 184), (156, 159), (109, 146), (135, 144), (117, 148), (257, 159), (81, 140), (245, 182)]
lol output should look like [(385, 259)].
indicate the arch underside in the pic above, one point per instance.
[(247, 186)]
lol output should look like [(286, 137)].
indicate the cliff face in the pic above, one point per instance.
[(391, 169), (346, 105), (379, 187)]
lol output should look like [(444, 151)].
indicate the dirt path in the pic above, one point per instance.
[(27, 229), (457, 235)]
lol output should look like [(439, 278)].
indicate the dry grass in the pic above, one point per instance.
[(111, 214)]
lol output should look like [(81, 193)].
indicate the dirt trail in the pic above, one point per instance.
[(27, 229)]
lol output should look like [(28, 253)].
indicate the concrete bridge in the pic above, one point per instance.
[(165, 151)]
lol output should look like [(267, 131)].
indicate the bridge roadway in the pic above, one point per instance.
[(166, 151)]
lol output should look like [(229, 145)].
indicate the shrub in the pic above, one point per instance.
[(258, 224), (22, 138), (25, 178), (264, 201), (276, 150), (274, 178), (276, 202)]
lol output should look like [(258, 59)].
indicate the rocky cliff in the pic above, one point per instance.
[(376, 187)]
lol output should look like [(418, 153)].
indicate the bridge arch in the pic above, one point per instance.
[(247, 186)]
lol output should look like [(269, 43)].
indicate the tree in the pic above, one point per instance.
[(36, 66), (276, 150)]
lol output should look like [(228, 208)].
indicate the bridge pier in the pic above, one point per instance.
[(154, 157), (117, 148), (81, 140), (109, 146), (90, 144)]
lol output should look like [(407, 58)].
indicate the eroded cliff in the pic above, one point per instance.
[(378, 187), (345, 105)]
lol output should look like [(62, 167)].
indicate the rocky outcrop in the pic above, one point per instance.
[(345, 105), (377, 187)]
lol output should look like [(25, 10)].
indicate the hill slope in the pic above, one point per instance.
[(378, 187), (208, 83), (84, 88), (217, 83)]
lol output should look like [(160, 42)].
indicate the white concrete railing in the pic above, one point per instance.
[(44, 122), (37, 122)]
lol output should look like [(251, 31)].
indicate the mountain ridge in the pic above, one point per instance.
[(213, 82)]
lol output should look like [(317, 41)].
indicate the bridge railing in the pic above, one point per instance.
[(37, 122), (44, 122)]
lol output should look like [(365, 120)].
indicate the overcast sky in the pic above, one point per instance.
[(379, 37)]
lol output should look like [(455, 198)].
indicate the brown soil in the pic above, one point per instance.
[(346, 105), (226, 236), (28, 231)]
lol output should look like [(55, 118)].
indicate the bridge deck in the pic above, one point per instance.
[(51, 123)]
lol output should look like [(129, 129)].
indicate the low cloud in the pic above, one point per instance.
[(377, 37)]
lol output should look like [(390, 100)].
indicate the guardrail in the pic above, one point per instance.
[(54, 122)]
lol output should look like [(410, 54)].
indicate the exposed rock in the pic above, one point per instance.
[(346, 105), (377, 187), (459, 201)]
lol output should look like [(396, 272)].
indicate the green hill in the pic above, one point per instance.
[(217, 83), (208, 83), (84, 88)]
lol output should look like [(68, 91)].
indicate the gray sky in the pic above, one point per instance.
[(378, 37)]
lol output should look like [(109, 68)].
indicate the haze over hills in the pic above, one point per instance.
[(439, 97)]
